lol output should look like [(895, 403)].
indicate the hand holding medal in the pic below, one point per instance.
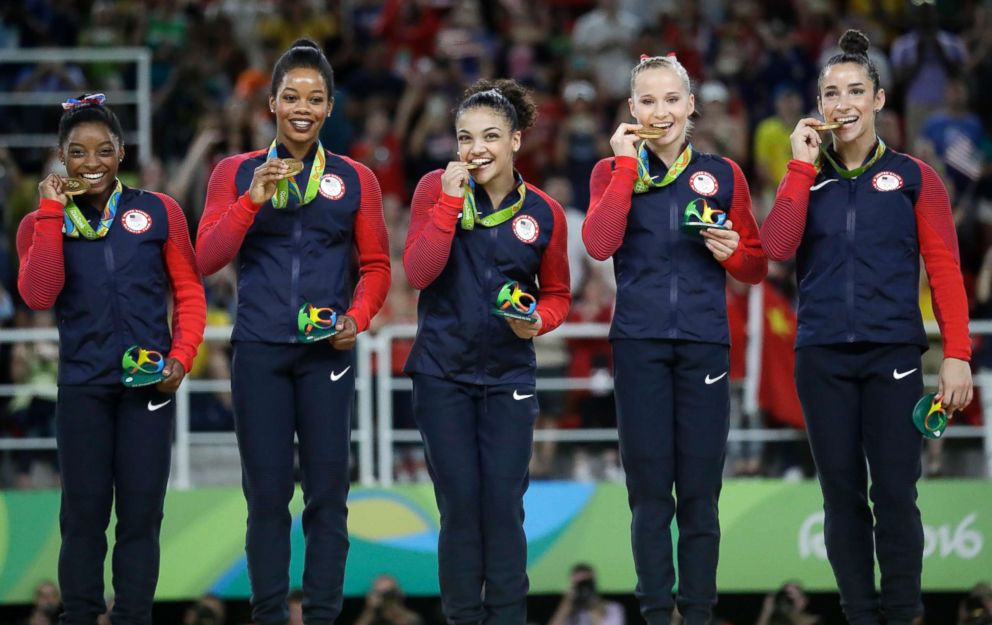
[(53, 187), (722, 240), (347, 333), (267, 175), (624, 139), (806, 139), (454, 179), (315, 324), (265, 184), (144, 367), (519, 308)]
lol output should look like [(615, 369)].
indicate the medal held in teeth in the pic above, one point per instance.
[(649, 132), (476, 163), (833, 125)]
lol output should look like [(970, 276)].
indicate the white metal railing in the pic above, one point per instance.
[(185, 439), (371, 436), (386, 384), (139, 97)]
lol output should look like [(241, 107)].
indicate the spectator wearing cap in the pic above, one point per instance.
[(923, 59), (580, 143), (724, 131), (772, 150)]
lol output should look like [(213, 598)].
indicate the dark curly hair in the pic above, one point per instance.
[(507, 96)]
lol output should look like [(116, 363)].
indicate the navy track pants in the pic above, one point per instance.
[(115, 451), (478, 442), (858, 401), (673, 406), (308, 390)]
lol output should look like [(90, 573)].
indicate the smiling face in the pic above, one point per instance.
[(846, 95), (93, 153), (661, 100), (301, 105), (485, 137)]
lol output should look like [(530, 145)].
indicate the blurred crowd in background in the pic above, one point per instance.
[(582, 603), (400, 66)]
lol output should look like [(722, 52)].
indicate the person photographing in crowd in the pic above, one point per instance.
[(583, 605)]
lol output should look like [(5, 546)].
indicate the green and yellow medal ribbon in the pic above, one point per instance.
[(851, 173), (645, 182), (470, 212), (76, 224), (287, 187)]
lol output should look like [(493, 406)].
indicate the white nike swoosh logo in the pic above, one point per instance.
[(517, 396), (899, 376), (337, 376), (153, 407), (710, 380), (822, 184)]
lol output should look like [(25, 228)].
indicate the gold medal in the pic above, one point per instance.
[(75, 186), (649, 133), (295, 166), (477, 163), (827, 126)]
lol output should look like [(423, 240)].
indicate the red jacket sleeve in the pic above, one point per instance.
[(783, 230), (748, 262), (189, 313), (553, 278), (433, 220), (41, 274), (372, 244), (226, 218), (609, 205), (939, 248)]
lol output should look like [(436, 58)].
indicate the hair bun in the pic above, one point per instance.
[(854, 42), (305, 43)]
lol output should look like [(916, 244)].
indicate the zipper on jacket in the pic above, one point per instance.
[(294, 279), (851, 250), (673, 287), (108, 259), (490, 259)]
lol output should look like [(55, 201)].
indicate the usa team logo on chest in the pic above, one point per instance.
[(332, 187), (886, 181), (525, 228), (136, 221), (704, 183)]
